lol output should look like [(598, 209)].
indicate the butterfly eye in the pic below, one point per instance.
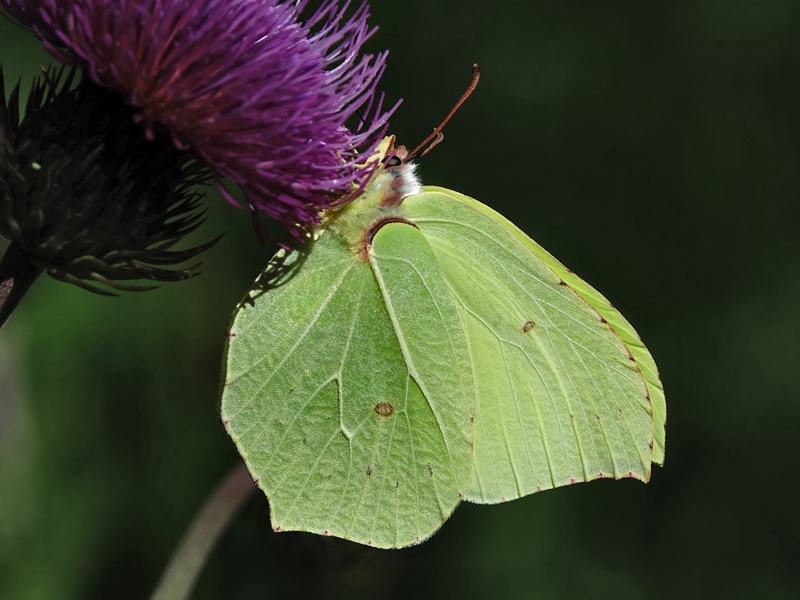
[(394, 161)]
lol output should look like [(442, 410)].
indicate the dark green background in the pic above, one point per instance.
[(653, 147)]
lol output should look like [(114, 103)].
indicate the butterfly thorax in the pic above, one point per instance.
[(380, 201)]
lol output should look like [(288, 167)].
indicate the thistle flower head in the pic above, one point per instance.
[(85, 196), (259, 94)]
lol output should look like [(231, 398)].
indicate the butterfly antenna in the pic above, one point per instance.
[(258, 225), (361, 120), (362, 115), (437, 136)]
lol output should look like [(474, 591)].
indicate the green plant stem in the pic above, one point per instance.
[(188, 560), (17, 275)]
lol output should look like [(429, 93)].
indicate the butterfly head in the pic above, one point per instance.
[(401, 180)]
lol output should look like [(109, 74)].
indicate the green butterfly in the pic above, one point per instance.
[(422, 350)]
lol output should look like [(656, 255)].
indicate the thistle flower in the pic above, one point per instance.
[(261, 96), (85, 196)]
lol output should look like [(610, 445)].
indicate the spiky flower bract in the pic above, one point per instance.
[(260, 94), (85, 196)]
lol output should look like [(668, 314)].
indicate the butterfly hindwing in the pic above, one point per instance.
[(332, 396)]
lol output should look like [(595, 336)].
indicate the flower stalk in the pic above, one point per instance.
[(186, 564), (17, 274)]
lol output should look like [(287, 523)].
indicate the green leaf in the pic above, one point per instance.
[(426, 350)]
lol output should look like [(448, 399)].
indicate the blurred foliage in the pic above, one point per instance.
[(653, 147)]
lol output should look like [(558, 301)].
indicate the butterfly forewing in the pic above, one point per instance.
[(560, 399)]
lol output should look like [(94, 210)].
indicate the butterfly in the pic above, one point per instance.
[(422, 350)]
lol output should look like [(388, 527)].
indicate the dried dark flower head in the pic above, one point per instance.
[(262, 96), (86, 195)]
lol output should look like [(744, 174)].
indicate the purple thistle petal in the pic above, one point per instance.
[(262, 96)]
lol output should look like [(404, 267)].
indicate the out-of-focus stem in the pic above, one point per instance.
[(180, 576)]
